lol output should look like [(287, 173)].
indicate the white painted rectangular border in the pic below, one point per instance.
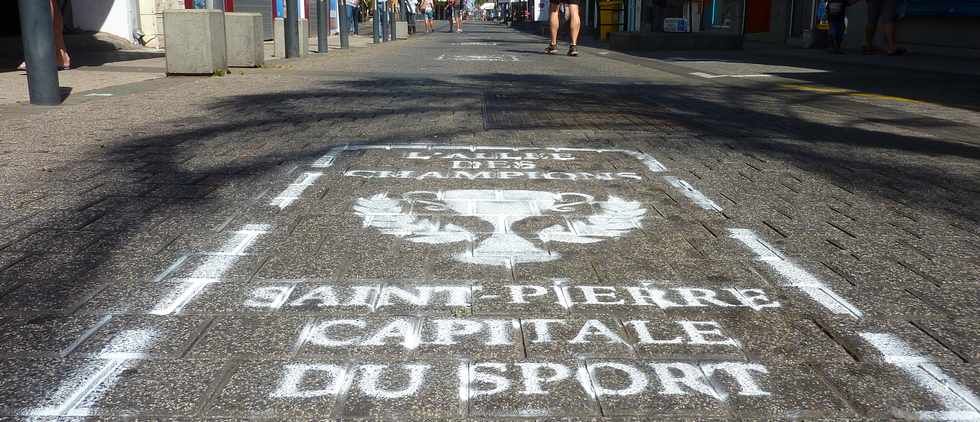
[(794, 275)]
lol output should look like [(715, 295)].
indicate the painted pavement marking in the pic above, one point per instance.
[(130, 344), (501, 208), (712, 76), (693, 194), (292, 193), (295, 189), (960, 402), (211, 270), (848, 92), (510, 297), (794, 275), (539, 378), (479, 58)]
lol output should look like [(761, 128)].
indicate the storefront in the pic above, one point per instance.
[(673, 15), (934, 26)]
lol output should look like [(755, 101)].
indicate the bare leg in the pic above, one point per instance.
[(553, 20), (889, 30), (59, 36), (575, 23), (869, 36)]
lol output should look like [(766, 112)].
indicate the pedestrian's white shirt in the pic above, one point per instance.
[(412, 4)]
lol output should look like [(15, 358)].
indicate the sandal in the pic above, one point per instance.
[(898, 52)]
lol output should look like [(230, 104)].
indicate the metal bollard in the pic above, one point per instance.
[(392, 24), (384, 23), (292, 28), (42, 71), (377, 22), (344, 24), (322, 17)]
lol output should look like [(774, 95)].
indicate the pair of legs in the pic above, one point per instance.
[(428, 21), (882, 15), (61, 57), (458, 16), (351, 19), (574, 21), (836, 32)]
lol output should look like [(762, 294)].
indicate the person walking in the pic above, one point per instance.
[(837, 18), (571, 7), (427, 9), (882, 15), (62, 59), (410, 7), (458, 14), (353, 15)]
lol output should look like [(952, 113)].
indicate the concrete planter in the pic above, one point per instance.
[(195, 41), (304, 37), (279, 37), (401, 30), (243, 38)]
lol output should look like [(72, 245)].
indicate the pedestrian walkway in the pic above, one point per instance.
[(460, 227), (108, 72)]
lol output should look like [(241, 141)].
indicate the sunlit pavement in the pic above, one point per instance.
[(459, 226)]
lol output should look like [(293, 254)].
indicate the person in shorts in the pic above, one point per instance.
[(882, 15), (571, 7), (426, 8)]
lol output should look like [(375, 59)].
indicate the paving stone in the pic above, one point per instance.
[(575, 337), (649, 395), (250, 337), (145, 335), (153, 387), (556, 397), (424, 389), (51, 335), (255, 389)]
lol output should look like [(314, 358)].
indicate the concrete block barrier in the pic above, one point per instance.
[(279, 37), (243, 38), (195, 41), (304, 37), (401, 30)]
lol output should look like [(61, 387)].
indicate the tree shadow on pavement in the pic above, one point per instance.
[(174, 186)]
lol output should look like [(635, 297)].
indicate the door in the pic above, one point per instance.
[(258, 6), (801, 17), (759, 14)]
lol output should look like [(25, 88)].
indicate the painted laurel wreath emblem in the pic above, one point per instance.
[(406, 217)]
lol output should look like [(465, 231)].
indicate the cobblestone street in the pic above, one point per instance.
[(458, 226)]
